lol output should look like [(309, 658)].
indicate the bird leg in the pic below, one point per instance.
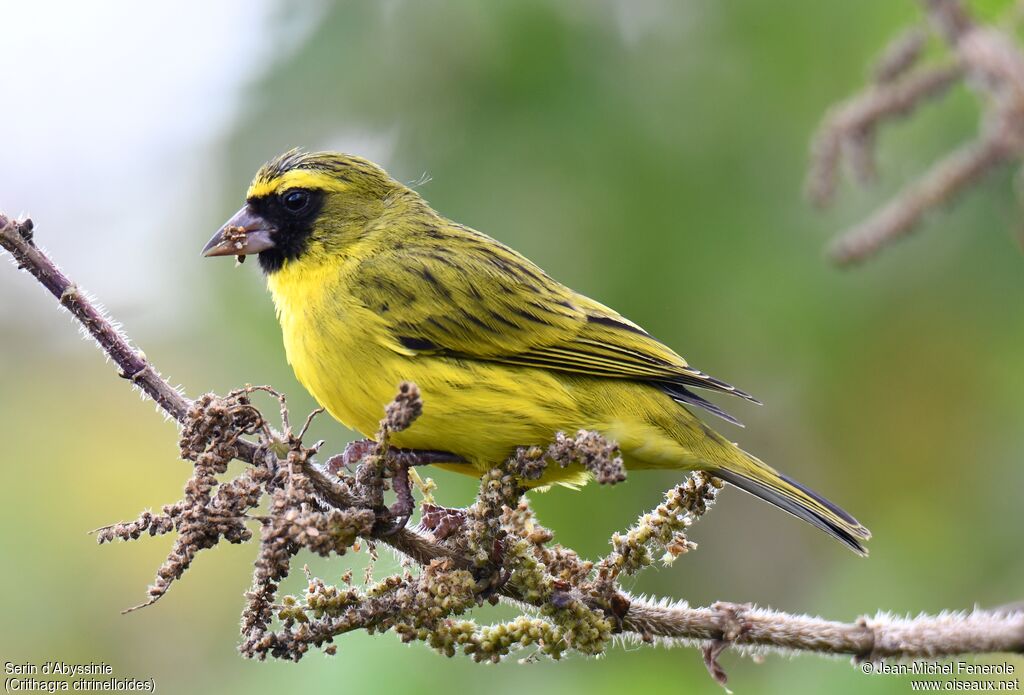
[(361, 448), (403, 459), (490, 584), (443, 522), (354, 453), (400, 460), (398, 514)]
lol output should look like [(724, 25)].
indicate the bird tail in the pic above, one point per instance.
[(761, 480)]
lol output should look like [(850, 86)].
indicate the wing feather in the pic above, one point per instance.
[(469, 296)]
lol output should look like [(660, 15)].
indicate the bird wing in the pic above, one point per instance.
[(468, 296)]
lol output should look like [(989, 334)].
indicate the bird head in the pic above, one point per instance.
[(305, 205)]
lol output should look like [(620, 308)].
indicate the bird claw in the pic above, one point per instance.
[(361, 448), (394, 518), (491, 584), (354, 453), (397, 515), (384, 528), (442, 522)]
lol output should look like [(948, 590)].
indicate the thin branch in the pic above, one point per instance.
[(867, 638), (854, 122), (900, 55), (988, 60), (498, 550), (900, 216), (16, 238)]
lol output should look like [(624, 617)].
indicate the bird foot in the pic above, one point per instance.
[(354, 453), (491, 583), (397, 515), (443, 522), (361, 448)]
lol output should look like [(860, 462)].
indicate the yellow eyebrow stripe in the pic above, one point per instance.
[(297, 178)]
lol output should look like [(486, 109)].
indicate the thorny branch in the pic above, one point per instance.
[(987, 59), (493, 550)]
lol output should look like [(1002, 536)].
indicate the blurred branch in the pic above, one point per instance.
[(493, 550), (987, 59)]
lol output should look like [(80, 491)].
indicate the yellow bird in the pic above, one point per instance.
[(373, 287)]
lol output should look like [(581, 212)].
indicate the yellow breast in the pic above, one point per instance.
[(332, 343), (344, 355)]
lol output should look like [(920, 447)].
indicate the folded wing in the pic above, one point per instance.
[(468, 296)]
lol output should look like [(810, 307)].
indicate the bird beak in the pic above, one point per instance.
[(245, 233)]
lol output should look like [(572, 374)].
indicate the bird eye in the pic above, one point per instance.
[(295, 201)]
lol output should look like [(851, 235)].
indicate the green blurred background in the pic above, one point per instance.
[(649, 154)]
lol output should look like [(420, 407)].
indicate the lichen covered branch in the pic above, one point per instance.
[(493, 550)]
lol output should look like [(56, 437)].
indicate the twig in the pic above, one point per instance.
[(549, 578), (854, 122), (867, 639), (900, 55), (988, 60), (900, 216), (16, 238)]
